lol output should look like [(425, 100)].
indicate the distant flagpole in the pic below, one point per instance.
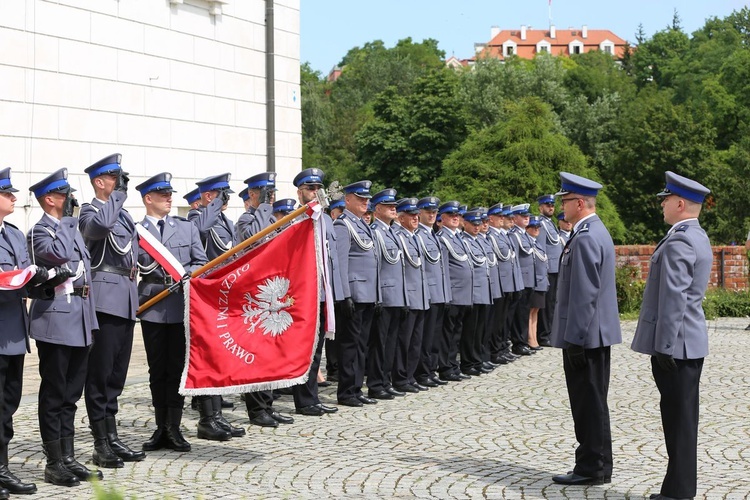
[(549, 12)]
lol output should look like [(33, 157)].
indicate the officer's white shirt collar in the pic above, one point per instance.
[(2, 225), (452, 232), (52, 219), (578, 224), (153, 220), (103, 202), (378, 221), (676, 224), (425, 227)]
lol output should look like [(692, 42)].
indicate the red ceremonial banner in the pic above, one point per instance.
[(252, 324)]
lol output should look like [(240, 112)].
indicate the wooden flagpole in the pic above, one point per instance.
[(221, 258)]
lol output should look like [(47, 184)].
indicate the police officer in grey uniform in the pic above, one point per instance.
[(62, 325), (461, 275), (496, 294), (193, 198), (550, 243), (524, 250), (162, 324), (563, 228), (392, 311), (411, 331), (585, 326), (217, 236), (672, 328), (306, 401), (14, 341), (109, 233), (503, 251), (261, 192), (435, 262), (359, 261)]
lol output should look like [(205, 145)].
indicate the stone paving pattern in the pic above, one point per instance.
[(501, 435)]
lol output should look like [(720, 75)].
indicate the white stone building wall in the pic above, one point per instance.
[(171, 86)]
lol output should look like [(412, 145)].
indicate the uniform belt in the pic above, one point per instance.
[(81, 291), (162, 280), (122, 271)]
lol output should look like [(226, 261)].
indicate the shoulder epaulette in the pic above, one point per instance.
[(11, 225), (373, 226), (584, 228), (682, 228), (178, 217)]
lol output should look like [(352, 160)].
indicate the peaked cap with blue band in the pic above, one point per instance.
[(507, 211), (496, 209), (522, 209), (244, 194), (408, 205), (260, 180), (192, 196), (534, 221), (215, 183), (462, 210), (312, 176), (385, 197), (473, 217), (336, 204), (572, 183), (449, 207), (361, 189), (286, 205), (5, 185), (108, 165), (546, 198), (428, 203), (561, 216), (55, 182), (159, 182), (684, 188)]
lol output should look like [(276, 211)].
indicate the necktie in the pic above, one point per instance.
[(161, 227), (4, 235)]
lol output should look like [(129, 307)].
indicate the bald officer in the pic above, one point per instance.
[(672, 328), (62, 326), (162, 324), (586, 324), (109, 233)]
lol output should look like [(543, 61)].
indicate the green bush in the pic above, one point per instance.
[(629, 289), (720, 303)]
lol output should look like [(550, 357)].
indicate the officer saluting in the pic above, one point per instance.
[(162, 324), (261, 192), (672, 328), (109, 233), (62, 326)]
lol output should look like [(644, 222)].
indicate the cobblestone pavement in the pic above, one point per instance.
[(501, 435)]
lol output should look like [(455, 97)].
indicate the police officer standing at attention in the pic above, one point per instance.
[(672, 328), (162, 324), (563, 228), (392, 311), (586, 324), (501, 247), (217, 236), (109, 233), (461, 275), (261, 193), (358, 258), (62, 326), (306, 401), (435, 262), (14, 344), (193, 198), (551, 245), (524, 250)]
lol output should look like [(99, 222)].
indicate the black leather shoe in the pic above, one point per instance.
[(324, 383), (545, 343), (510, 357), (226, 404), (500, 360), (380, 395), (485, 370), (10, 482), (576, 480), (365, 400), (427, 383), (659, 496), (406, 388), (471, 372), (420, 387), (311, 411), (463, 376), (282, 419), (353, 402), (521, 350), (326, 408), (536, 348), (452, 377), (263, 419), (438, 381), (488, 365), (398, 394)]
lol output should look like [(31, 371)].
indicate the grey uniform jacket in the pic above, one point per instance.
[(481, 273), (504, 254), (459, 268), (216, 231), (586, 313), (415, 279), (254, 220), (541, 261), (182, 240), (65, 320), (14, 320), (358, 258), (334, 268), (435, 260), (109, 233), (242, 227), (672, 320), (551, 243), (392, 286), (492, 265), (522, 246)]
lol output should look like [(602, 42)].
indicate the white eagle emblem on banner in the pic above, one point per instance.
[(266, 309)]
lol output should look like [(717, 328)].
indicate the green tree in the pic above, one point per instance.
[(517, 160)]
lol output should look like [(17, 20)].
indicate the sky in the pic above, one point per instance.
[(329, 28)]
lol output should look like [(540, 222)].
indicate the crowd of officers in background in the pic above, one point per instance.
[(426, 293)]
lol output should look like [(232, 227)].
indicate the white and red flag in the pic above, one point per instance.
[(13, 280), (252, 324)]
